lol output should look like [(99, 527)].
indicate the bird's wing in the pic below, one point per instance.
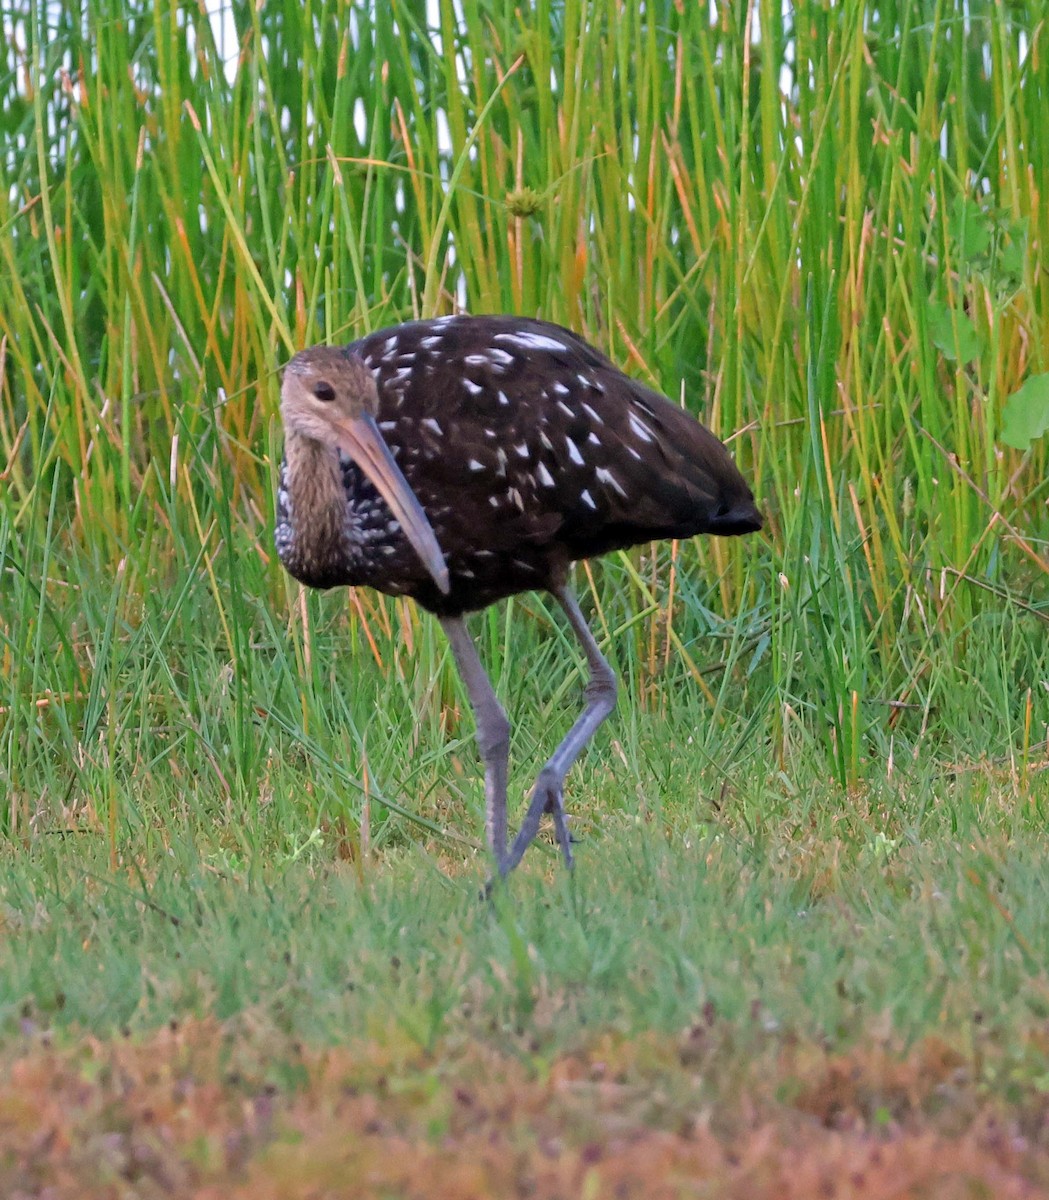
[(523, 427)]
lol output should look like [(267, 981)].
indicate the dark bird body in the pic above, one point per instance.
[(526, 450)]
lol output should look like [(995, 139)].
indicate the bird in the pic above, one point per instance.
[(467, 458)]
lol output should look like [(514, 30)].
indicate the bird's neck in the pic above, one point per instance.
[(316, 504)]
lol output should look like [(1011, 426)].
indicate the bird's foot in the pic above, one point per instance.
[(546, 798)]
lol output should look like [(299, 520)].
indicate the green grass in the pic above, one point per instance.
[(824, 794), (827, 936)]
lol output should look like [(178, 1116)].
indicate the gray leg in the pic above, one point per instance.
[(493, 733), (600, 696)]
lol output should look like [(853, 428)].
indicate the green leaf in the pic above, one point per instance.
[(969, 229), (1013, 255), (953, 333), (1026, 413)]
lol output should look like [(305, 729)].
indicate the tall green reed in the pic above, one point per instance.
[(823, 228)]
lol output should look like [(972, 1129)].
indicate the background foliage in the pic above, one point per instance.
[(825, 228)]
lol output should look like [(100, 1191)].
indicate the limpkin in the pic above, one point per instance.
[(465, 459)]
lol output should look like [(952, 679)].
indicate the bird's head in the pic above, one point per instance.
[(324, 386), (329, 396)]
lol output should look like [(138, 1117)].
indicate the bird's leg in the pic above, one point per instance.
[(600, 696), (493, 733)]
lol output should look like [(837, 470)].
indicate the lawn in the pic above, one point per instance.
[(244, 948)]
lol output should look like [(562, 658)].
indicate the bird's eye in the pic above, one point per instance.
[(324, 391)]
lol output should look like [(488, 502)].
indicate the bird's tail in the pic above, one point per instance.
[(735, 517)]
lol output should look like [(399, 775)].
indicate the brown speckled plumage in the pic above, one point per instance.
[(527, 450)]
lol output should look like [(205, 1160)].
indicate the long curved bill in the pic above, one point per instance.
[(362, 441)]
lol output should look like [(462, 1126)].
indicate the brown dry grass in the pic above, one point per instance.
[(209, 1111)]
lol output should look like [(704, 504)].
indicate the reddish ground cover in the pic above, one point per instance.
[(208, 1111)]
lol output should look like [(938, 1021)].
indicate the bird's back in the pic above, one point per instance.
[(528, 449)]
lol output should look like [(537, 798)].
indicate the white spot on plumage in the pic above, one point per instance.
[(592, 413), (521, 450), (430, 342), (547, 443), (474, 465), (389, 346), (387, 426), (500, 358), (573, 452), (606, 476), (503, 398), (561, 389), (476, 360), (544, 476), (587, 499), (475, 389), (530, 341), (569, 412), (585, 380), (595, 439), (641, 429), (430, 423)]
